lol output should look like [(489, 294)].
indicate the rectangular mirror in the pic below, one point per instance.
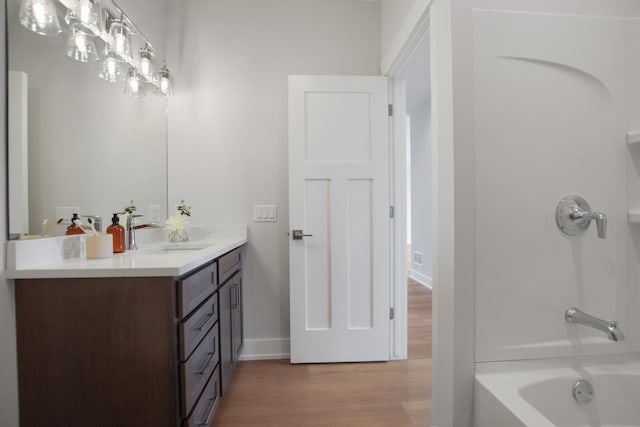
[(76, 141)]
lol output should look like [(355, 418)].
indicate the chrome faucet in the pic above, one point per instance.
[(97, 221), (131, 233), (583, 217), (574, 315), (574, 215)]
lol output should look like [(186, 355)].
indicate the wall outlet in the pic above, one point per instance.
[(418, 259), (265, 213), (66, 212), (154, 213)]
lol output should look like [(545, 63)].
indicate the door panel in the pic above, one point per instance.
[(339, 196)]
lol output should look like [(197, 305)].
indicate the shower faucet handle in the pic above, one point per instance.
[(574, 215)]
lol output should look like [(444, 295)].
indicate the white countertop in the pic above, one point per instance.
[(156, 259)]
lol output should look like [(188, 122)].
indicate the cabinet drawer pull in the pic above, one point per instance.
[(212, 405), (234, 293), (206, 364), (208, 318)]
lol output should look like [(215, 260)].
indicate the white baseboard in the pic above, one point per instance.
[(265, 349), (423, 279)]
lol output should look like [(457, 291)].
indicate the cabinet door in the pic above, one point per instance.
[(236, 317), (226, 348)]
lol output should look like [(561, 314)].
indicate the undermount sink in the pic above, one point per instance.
[(182, 247), (173, 248)]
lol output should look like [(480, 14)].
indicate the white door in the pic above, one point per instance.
[(339, 196)]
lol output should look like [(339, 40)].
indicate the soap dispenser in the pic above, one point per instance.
[(73, 228), (117, 231)]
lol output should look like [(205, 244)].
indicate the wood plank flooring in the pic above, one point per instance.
[(394, 394)]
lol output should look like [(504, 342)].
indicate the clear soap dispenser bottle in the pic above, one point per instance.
[(73, 228), (117, 231)]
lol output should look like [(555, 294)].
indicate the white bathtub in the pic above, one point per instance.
[(539, 393)]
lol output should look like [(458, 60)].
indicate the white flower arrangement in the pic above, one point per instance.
[(177, 224)]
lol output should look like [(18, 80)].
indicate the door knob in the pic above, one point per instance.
[(298, 234)]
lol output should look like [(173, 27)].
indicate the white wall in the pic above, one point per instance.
[(398, 19), (562, 132), (228, 123), (421, 193), (8, 362)]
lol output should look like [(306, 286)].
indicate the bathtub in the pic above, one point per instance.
[(539, 393)]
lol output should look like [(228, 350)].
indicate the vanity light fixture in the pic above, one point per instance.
[(81, 47), (120, 39), (40, 16), (134, 86), (111, 70), (89, 21), (146, 63), (85, 16), (165, 82)]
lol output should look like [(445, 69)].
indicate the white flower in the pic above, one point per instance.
[(176, 223)]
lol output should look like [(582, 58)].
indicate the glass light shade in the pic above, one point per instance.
[(81, 47), (165, 83), (85, 17), (40, 16), (134, 86), (111, 70), (120, 36), (146, 64)]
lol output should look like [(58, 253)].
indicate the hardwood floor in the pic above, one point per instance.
[(394, 394)]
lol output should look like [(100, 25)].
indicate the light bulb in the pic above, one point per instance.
[(85, 10), (146, 63), (80, 42), (165, 85), (120, 39), (134, 86), (112, 66), (111, 70), (81, 47), (84, 16), (40, 16), (145, 67), (120, 43)]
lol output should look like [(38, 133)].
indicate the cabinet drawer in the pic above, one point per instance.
[(196, 327), (194, 289), (206, 407), (229, 264), (197, 369)]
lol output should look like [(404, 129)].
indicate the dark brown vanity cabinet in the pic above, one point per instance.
[(230, 302), (127, 351)]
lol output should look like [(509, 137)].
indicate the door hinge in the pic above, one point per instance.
[(392, 212), (392, 313), (390, 110)]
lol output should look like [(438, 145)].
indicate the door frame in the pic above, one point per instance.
[(453, 344), (398, 176)]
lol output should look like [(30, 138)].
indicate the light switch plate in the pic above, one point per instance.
[(66, 212), (265, 213), (154, 214)]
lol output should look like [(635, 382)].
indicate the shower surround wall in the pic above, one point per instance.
[(555, 95)]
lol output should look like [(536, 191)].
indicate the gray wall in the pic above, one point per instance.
[(228, 122), (421, 193)]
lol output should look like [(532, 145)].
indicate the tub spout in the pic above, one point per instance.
[(614, 333)]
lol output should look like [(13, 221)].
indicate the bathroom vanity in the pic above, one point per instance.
[(143, 339)]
